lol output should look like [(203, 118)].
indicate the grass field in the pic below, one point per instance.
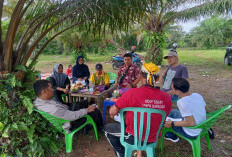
[(208, 76), (206, 58)]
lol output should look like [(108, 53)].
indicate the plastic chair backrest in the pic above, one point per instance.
[(39, 76), (56, 122), (213, 117), (112, 76), (138, 136)]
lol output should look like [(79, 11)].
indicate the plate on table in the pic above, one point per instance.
[(84, 90)]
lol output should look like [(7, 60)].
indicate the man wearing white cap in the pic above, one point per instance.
[(174, 70), (147, 96)]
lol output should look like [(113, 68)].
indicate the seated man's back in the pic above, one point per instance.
[(193, 105), (147, 97)]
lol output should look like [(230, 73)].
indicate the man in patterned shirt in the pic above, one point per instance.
[(127, 74), (131, 74)]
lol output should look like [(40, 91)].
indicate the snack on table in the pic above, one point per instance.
[(79, 85), (74, 88), (96, 92), (116, 94)]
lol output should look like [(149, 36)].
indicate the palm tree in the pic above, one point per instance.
[(209, 33), (161, 13), (34, 19)]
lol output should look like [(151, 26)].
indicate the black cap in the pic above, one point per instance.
[(99, 66)]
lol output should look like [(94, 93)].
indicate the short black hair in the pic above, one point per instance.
[(99, 66), (144, 75), (127, 55), (181, 84), (40, 85), (70, 66)]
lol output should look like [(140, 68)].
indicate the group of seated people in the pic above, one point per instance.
[(154, 93), (80, 72)]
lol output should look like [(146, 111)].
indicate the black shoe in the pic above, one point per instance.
[(172, 138), (211, 133)]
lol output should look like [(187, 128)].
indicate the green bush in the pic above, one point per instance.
[(24, 133), (54, 47)]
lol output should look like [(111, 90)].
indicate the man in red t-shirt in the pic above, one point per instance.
[(147, 96)]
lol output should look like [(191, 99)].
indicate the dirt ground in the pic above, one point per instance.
[(213, 83)]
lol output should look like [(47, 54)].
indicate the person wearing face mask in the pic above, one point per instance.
[(60, 82), (81, 71)]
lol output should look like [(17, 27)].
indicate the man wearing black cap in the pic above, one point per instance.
[(174, 70), (100, 77)]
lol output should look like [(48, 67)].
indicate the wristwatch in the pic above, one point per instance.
[(172, 124)]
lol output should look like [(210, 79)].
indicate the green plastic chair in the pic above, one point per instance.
[(63, 96), (205, 126), (150, 148), (57, 123), (112, 77)]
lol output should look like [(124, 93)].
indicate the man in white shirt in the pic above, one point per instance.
[(191, 111)]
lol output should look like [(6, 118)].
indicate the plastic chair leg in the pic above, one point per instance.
[(208, 142), (95, 129), (128, 152), (162, 139), (196, 147), (150, 152), (90, 121), (68, 142)]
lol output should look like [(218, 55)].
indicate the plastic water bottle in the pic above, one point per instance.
[(90, 87)]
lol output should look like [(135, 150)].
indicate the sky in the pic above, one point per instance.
[(187, 26)]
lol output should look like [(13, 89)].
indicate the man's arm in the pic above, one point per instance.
[(113, 111), (185, 74), (72, 115), (189, 121)]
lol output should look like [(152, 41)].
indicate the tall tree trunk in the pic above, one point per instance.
[(12, 28), (1, 9), (155, 54), (1, 44)]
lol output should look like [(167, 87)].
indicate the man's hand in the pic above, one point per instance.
[(91, 108), (113, 111), (171, 92), (66, 91), (167, 124)]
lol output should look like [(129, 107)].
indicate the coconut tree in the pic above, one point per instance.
[(212, 32), (161, 13)]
